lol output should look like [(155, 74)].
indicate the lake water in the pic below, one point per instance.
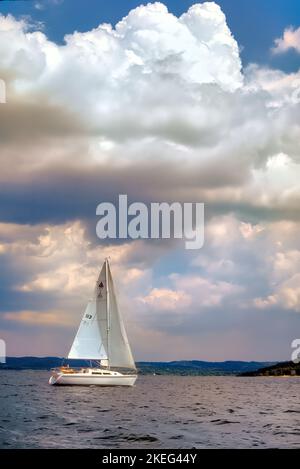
[(159, 412)]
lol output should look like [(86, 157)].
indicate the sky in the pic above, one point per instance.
[(172, 101)]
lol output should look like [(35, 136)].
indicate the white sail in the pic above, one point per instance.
[(119, 352), (101, 334)]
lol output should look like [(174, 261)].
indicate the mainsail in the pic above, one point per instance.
[(119, 352), (101, 334)]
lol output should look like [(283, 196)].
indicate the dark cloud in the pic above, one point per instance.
[(23, 121)]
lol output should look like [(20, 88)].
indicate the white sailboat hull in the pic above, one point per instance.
[(89, 378)]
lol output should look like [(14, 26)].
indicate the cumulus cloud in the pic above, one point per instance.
[(166, 299), (197, 47), (289, 40), (155, 95)]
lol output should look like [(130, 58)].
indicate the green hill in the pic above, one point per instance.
[(279, 369)]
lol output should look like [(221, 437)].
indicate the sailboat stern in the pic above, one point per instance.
[(54, 378)]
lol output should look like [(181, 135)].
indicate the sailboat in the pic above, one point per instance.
[(101, 337)]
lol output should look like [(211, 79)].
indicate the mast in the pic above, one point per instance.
[(107, 309)]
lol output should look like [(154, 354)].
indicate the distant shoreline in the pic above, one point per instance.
[(280, 370), (180, 367)]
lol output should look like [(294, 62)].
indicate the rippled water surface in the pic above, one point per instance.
[(159, 412)]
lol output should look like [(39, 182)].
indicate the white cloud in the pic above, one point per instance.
[(189, 293), (286, 296), (149, 44), (166, 299), (155, 87), (284, 281), (282, 88), (206, 292), (289, 40)]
